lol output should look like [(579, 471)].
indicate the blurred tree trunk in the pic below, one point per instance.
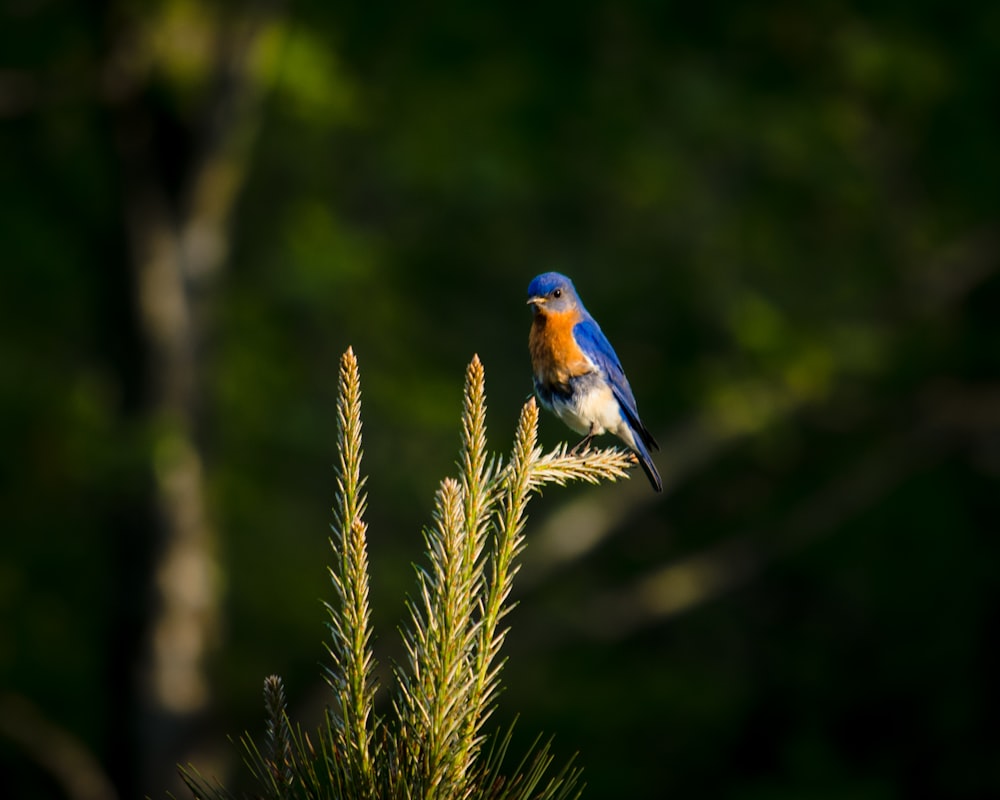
[(177, 231)]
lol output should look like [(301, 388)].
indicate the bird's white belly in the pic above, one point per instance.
[(593, 411)]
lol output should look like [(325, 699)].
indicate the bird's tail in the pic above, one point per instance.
[(646, 462)]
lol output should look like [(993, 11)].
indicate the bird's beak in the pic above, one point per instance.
[(536, 301)]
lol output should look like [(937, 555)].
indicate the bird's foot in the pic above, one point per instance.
[(583, 444)]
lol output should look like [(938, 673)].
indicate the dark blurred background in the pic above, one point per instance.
[(785, 217)]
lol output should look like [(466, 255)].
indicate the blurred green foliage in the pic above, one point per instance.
[(784, 217)]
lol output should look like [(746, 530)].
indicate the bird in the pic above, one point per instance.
[(577, 374)]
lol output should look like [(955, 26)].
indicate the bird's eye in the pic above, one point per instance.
[(557, 293)]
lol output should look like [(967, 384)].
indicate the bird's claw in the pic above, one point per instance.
[(583, 444)]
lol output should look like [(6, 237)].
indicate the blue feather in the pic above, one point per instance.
[(595, 344)]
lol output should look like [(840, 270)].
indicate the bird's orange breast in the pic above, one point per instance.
[(555, 355)]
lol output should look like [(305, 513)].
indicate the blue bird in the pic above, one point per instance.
[(578, 375)]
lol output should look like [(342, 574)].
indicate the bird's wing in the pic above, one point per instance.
[(595, 345)]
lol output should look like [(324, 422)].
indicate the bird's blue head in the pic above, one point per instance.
[(553, 293)]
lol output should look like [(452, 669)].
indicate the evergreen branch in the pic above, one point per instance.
[(350, 674), (514, 490), (591, 466), (439, 646), (479, 495), (477, 475), (279, 756)]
